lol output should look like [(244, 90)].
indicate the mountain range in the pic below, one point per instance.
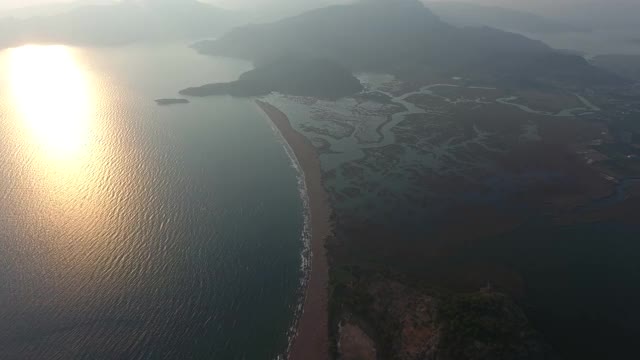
[(116, 23), (404, 38), (469, 14)]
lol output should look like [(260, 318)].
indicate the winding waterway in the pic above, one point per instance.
[(351, 148)]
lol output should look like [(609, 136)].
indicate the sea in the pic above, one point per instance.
[(130, 230)]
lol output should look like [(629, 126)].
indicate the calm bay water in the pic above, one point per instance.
[(129, 230)]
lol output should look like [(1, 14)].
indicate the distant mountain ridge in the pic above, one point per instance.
[(404, 38), (468, 14), (49, 9), (119, 23)]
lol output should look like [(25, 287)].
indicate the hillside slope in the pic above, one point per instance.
[(406, 39)]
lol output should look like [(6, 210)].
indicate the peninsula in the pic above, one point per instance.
[(289, 75), (472, 154)]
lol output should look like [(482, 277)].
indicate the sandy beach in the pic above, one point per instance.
[(312, 339)]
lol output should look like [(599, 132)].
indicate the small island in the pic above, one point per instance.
[(289, 75), (171, 101)]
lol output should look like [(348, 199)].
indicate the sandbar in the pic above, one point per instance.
[(311, 341)]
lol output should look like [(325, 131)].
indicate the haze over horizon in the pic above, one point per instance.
[(15, 4), (544, 6), (609, 14)]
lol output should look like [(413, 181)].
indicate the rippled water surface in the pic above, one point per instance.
[(129, 230)]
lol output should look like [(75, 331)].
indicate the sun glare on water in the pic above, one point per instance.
[(52, 95), (53, 123), (69, 177)]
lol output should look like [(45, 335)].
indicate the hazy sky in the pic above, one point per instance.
[(549, 4), (8, 4), (541, 6)]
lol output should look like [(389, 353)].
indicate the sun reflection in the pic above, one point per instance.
[(55, 124), (53, 97)]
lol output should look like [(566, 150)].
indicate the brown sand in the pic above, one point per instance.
[(355, 344), (312, 339)]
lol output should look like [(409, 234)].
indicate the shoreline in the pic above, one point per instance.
[(311, 338)]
